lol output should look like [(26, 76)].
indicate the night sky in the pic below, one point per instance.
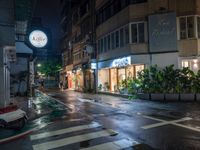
[(49, 11)]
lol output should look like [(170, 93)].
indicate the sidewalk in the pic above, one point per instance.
[(41, 110)]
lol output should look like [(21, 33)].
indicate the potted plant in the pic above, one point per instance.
[(170, 79), (196, 86), (133, 86), (186, 77), (123, 89), (144, 80), (106, 86), (100, 87), (156, 84)]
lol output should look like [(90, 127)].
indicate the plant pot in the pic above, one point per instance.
[(198, 97), (172, 97), (187, 97), (145, 96), (157, 96)]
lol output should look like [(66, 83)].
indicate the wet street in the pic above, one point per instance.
[(108, 124)]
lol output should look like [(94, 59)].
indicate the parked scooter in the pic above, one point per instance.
[(11, 117)]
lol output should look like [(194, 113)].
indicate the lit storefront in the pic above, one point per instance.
[(192, 63), (112, 72)]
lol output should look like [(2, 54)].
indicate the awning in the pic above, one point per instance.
[(22, 48)]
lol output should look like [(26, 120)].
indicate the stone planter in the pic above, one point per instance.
[(157, 96), (187, 97), (198, 97), (172, 97), (145, 96)]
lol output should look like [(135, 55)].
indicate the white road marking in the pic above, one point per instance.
[(174, 122), (163, 122), (64, 131), (74, 139), (115, 145)]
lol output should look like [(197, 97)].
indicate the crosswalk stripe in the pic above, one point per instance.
[(74, 139), (63, 131), (116, 145)]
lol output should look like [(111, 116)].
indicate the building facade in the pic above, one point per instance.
[(77, 44), (7, 48), (131, 35), (134, 34)]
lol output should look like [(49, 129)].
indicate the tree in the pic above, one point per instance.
[(50, 67)]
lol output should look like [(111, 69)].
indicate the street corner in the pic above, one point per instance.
[(8, 135)]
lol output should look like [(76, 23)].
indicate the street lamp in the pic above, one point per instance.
[(39, 65)]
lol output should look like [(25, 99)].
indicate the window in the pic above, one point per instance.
[(137, 33), (101, 46), (141, 33), (134, 33), (116, 39), (198, 26), (121, 37), (105, 44), (113, 40), (190, 27), (126, 31), (187, 27), (108, 41), (183, 32), (112, 7), (137, 1)]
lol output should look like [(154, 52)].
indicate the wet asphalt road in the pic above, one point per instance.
[(164, 126)]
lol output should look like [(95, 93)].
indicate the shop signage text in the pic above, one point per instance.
[(121, 62), (38, 38)]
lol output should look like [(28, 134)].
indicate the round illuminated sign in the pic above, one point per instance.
[(38, 38)]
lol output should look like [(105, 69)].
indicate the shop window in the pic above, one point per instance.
[(103, 80), (130, 72), (121, 74), (113, 77), (138, 68)]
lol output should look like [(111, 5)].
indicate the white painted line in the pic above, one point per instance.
[(165, 123), (174, 122), (116, 145), (74, 139), (64, 131)]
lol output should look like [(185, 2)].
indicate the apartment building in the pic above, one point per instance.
[(134, 34), (77, 44)]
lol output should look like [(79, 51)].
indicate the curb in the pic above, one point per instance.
[(16, 136)]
